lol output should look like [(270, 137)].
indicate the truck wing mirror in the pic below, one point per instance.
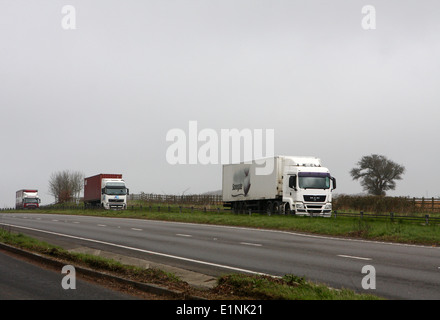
[(102, 190), (334, 183), (128, 191)]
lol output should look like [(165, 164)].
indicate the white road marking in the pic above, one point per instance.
[(140, 250), (251, 244), (136, 229), (102, 225), (183, 235), (353, 257), (293, 233)]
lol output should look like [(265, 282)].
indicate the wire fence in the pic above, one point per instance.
[(195, 199), (392, 217)]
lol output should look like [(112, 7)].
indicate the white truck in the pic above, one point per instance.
[(105, 190), (294, 185)]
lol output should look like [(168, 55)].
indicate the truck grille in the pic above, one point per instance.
[(115, 200), (314, 198)]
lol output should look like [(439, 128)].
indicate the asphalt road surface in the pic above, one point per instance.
[(390, 270), (21, 280)]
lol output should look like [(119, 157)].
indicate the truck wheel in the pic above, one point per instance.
[(269, 208), (287, 209), (276, 207), (244, 208), (240, 207)]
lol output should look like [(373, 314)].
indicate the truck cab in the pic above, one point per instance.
[(114, 194), (308, 190)]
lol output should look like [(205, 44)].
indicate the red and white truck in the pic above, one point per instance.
[(105, 190), (27, 199)]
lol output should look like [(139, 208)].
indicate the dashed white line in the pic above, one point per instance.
[(136, 229), (139, 250), (353, 257), (251, 244), (102, 225), (183, 235)]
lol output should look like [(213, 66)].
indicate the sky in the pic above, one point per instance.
[(97, 86)]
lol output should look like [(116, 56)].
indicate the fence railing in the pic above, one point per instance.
[(432, 204), (407, 205), (196, 199), (392, 217), (167, 208)]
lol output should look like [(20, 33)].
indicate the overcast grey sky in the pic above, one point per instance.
[(101, 98)]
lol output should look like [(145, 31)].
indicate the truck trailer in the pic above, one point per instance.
[(27, 199), (295, 185), (105, 190)]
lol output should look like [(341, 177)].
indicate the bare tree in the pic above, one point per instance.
[(65, 185), (377, 174)]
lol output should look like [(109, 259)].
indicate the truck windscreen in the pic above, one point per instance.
[(114, 191), (30, 200), (314, 180)]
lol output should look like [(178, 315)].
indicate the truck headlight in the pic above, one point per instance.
[(299, 205), (328, 206)]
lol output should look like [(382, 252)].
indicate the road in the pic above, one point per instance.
[(400, 271), (21, 280)]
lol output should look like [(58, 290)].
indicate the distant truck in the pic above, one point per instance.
[(296, 185), (27, 199), (105, 190)]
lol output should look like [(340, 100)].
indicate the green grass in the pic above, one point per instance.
[(289, 287)]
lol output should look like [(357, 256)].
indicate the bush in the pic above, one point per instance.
[(376, 204)]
